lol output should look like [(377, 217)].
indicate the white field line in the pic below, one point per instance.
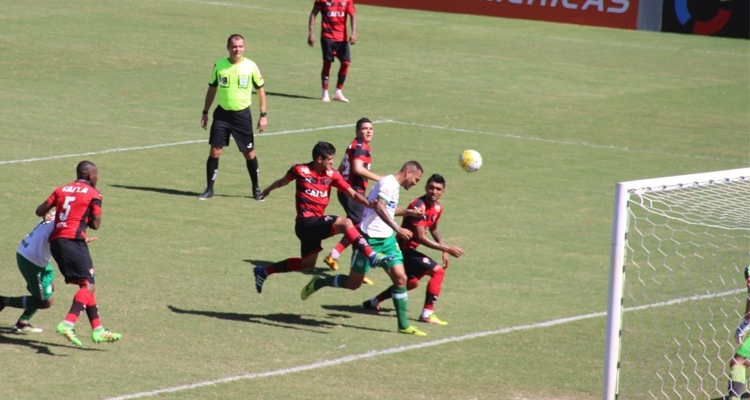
[(154, 146), (401, 349), (565, 142), (469, 28)]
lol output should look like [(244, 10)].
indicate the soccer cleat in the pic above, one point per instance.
[(309, 289), (332, 262), (367, 281), (206, 195), (25, 328), (325, 98), (67, 331), (102, 335), (338, 96), (433, 319), (412, 331), (369, 306), (257, 194), (260, 277), (378, 259)]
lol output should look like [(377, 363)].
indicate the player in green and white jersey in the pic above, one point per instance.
[(741, 360), (380, 229)]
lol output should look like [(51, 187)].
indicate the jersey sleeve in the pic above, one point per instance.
[(258, 81), (339, 183), (319, 5), (418, 221), (96, 204), (292, 174), (214, 81), (360, 151), (51, 200), (350, 8)]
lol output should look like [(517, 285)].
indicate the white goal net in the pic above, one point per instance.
[(677, 287)]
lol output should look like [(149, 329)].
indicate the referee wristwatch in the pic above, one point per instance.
[(263, 114)]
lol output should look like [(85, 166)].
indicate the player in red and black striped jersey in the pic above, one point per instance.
[(78, 206), (355, 168), (313, 188), (333, 40), (417, 264)]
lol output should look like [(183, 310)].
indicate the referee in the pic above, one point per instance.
[(231, 78)]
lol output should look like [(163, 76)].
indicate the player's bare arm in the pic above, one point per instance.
[(358, 197), (380, 208), (281, 182), (421, 236), (210, 95), (311, 30), (409, 212), (43, 209), (358, 167), (353, 37), (262, 121), (94, 222)]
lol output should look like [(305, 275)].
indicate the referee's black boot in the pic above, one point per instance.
[(206, 195), (256, 194)]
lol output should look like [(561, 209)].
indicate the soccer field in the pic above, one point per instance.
[(559, 113)]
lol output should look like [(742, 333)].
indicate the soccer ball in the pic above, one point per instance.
[(470, 160)]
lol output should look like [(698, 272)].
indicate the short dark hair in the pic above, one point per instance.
[(323, 149), (83, 168), (437, 178), (412, 165), (361, 121), (234, 36)]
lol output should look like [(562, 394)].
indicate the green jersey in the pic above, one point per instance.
[(233, 81)]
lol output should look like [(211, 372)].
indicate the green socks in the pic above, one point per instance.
[(401, 302)]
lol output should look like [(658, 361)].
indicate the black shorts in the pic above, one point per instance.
[(338, 49), (312, 231), (415, 263), (354, 210), (73, 259), (237, 123)]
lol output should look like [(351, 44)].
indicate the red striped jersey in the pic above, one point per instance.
[(74, 204), (357, 149), (333, 24), (314, 188), (428, 220)]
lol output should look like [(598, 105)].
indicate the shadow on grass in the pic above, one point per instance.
[(291, 96), (311, 271), (281, 320), (358, 309), (26, 340), (173, 192)]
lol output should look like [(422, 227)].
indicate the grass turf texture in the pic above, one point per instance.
[(559, 113)]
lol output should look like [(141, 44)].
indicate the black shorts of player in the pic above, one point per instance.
[(415, 263), (354, 210), (73, 259), (338, 49), (312, 231), (237, 123)]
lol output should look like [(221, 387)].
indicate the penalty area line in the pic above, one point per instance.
[(155, 146), (401, 349)]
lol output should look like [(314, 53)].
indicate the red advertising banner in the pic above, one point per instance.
[(608, 13)]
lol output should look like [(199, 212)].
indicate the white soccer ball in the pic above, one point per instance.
[(470, 160)]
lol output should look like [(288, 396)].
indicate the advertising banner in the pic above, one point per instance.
[(607, 13), (730, 18)]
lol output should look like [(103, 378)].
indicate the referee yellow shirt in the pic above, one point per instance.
[(233, 81)]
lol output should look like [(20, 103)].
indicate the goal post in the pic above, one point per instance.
[(684, 242)]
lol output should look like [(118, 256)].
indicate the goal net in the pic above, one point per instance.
[(677, 287)]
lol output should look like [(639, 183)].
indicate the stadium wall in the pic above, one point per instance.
[(702, 17)]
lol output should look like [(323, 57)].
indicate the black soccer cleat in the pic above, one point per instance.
[(257, 194), (206, 195)]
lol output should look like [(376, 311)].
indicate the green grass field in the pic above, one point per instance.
[(559, 112)]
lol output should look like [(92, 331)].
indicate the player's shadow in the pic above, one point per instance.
[(44, 348), (291, 96), (311, 271), (281, 320), (384, 312), (173, 192)]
